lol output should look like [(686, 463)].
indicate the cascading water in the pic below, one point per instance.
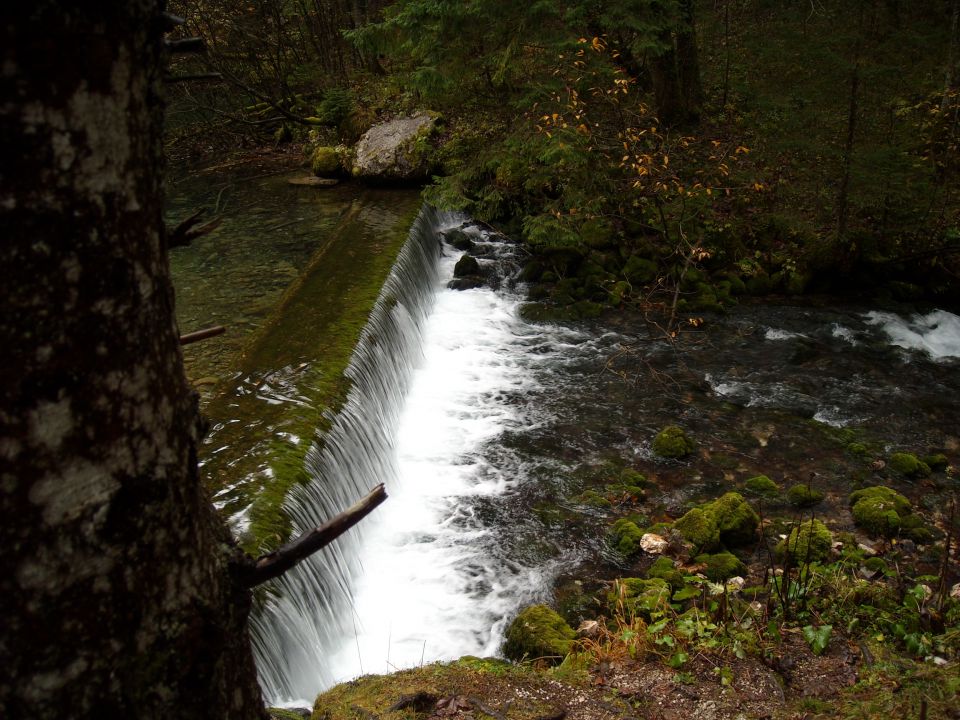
[(419, 580)]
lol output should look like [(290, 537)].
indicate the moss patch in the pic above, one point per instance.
[(879, 510), (672, 442), (802, 495), (809, 541), (538, 632), (721, 566)]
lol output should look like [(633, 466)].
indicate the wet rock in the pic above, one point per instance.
[(653, 544), (467, 265), (467, 283), (459, 239), (396, 151)]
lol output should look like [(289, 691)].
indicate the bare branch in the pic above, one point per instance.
[(279, 561), (202, 334), (186, 232)]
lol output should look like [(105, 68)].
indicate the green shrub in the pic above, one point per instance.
[(672, 442), (809, 541), (802, 495), (538, 632), (335, 107)]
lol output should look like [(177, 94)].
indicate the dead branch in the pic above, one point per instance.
[(199, 335), (275, 564), (186, 46), (186, 232)]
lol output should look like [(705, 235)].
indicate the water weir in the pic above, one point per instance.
[(413, 582)]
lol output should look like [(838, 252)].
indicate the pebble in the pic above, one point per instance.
[(653, 544)]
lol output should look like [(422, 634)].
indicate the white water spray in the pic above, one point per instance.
[(416, 581)]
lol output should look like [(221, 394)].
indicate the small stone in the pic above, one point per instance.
[(955, 592), (908, 545), (735, 584), (927, 592), (654, 544), (867, 550), (588, 629), (312, 181)]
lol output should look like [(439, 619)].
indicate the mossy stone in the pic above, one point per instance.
[(879, 509), (909, 464), (664, 569), (762, 486), (721, 566), (324, 161), (538, 632), (699, 528), (809, 541), (937, 462), (624, 536), (736, 521), (913, 527), (802, 495), (594, 499), (672, 442)]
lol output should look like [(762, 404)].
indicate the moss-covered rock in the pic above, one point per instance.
[(879, 509), (736, 521), (809, 541), (699, 528), (802, 495), (593, 499), (664, 569), (672, 442), (937, 462), (324, 161), (624, 536), (762, 486), (913, 527), (909, 464), (721, 566), (538, 632)]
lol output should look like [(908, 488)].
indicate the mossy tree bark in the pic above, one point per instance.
[(118, 595)]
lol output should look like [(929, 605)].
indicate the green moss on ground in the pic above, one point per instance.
[(699, 528), (909, 465), (624, 536), (879, 510)]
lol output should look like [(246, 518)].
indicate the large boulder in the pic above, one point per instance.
[(396, 151)]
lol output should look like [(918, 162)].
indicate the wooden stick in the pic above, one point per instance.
[(275, 564), (202, 334)]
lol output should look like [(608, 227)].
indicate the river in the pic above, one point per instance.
[(488, 431)]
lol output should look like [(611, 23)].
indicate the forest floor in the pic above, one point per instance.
[(797, 685)]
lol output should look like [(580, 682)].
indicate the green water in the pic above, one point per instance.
[(292, 273)]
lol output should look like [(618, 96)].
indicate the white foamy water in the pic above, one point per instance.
[(437, 377), (936, 333), (429, 589)]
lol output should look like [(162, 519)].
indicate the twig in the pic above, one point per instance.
[(275, 564), (202, 334), (186, 232)]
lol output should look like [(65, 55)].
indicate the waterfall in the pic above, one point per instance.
[(417, 580)]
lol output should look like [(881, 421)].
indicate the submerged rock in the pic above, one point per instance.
[(396, 151), (313, 181)]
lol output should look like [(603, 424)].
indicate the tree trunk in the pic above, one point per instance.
[(688, 62), (118, 598), (666, 82)]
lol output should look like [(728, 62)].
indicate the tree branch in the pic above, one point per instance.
[(202, 334), (275, 564)]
